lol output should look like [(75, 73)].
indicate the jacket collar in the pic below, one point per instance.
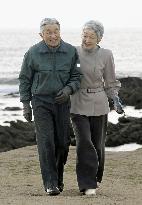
[(45, 49)]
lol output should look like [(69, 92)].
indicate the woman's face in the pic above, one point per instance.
[(89, 39)]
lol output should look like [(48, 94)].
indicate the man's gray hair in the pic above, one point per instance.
[(48, 21), (96, 26)]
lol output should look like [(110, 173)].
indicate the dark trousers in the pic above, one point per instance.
[(90, 135), (53, 140)]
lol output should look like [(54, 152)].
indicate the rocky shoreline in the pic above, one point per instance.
[(21, 134), (127, 130), (18, 134), (131, 91)]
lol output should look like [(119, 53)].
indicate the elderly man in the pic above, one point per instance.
[(49, 75)]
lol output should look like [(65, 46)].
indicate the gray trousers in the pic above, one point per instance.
[(53, 139), (90, 135)]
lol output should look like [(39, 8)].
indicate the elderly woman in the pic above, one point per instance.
[(89, 106)]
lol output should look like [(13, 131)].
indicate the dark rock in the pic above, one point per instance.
[(127, 130), (15, 94), (19, 134), (131, 91), (12, 108)]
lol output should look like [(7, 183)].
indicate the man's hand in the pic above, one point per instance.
[(27, 111), (63, 95), (117, 105)]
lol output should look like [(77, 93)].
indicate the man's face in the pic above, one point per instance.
[(51, 35), (89, 39)]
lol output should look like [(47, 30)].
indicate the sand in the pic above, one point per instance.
[(21, 183)]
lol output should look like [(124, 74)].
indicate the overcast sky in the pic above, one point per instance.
[(70, 13)]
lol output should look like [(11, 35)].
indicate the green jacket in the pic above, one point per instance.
[(45, 71)]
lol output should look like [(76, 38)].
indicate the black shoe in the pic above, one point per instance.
[(61, 186), (53, 191)]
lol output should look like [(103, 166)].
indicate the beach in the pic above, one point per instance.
[(21, 183)]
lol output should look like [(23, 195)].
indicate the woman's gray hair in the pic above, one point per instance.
[(96, 26), (48, 21)]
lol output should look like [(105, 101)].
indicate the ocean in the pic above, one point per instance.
[(126, 45)]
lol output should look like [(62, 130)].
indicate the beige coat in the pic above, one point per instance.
[(98, 71)]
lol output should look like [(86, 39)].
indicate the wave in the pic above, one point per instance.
[(9, 81), (8, 90)]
